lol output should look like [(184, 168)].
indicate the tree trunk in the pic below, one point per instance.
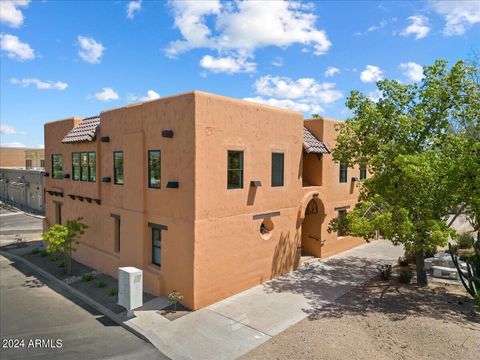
[(421, 274)]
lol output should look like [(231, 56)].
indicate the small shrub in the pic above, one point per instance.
[(112, 291), (88, 276), (476, 299), (53, 257), (173, 298), (467, 256), (101, 283), (43, 253), (62, 264), (385, 271), (403, 261), (464, 241), (405, 275), (35, 250)]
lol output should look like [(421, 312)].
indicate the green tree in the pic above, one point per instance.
[(64, 238), (409, 140)]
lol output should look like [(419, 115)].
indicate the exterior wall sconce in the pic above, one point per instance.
[(46, 174), (167, 133), (354, 178), (256, 183), (172, 185), (105, 139), (106, 179), (66, 176)]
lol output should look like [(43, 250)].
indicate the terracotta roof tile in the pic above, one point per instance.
[(84, 131), (312, 145)]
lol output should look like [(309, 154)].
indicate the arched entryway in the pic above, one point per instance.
[(312, 224)]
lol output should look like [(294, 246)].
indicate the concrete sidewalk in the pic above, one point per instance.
[(234, 326)]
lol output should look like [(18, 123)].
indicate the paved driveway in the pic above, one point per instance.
[(30, 310), (236, 325)]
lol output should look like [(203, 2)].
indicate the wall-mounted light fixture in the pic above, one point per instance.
[(255, 183), (172, 185), (105, 139), (106, 179)]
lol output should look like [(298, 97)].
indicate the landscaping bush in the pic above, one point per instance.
[(112, 291), (385, 271), (43, 253), (466, 256), (430, 252), (62, 264), (405, 275), (101, 283), (88, 276), (403, 260), (464, 241), (476, 300), (35, 250), (53, 257)]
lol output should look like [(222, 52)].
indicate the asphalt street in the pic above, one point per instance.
[(45, 323), (16, 222)]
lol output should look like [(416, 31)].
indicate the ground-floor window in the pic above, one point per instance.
[(342, 215), (157, 243), (58, 213)]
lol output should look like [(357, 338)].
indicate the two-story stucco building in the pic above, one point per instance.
[(207, 195)]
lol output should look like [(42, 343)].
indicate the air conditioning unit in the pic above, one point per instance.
[(130, 288)]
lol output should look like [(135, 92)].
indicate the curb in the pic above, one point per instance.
[(75, 293)]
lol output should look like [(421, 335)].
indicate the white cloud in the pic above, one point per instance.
[(237, 29), (15, 48), (459, 15), (331, 70), (305, 108), (303, 88), (91, 50), (10, 12), (7, 129), (151, 95), (419, 27), (278, 61), (413, 71), (371, 74), (372, 28), (13, 144), (41, 85), (227, 64), (132, 7), (107, 94)]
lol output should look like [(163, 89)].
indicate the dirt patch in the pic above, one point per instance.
[(384, 320), (101, 288), (171, 314)]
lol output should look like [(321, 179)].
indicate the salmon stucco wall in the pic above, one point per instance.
[(230, 253)]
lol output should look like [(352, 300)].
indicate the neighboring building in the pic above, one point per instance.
[(22, 158), (22, 188), (207, 195)]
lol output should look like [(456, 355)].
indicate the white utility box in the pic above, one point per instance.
[(130, 288)]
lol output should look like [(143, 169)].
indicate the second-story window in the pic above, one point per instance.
[(277, 169), (84, 166), (343, 173), (235, 170), (363, 172), (57, 166), (154, 169), (92, 166), (76, 166), (118, 167)]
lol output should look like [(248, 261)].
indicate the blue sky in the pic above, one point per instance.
[(77, 58)]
